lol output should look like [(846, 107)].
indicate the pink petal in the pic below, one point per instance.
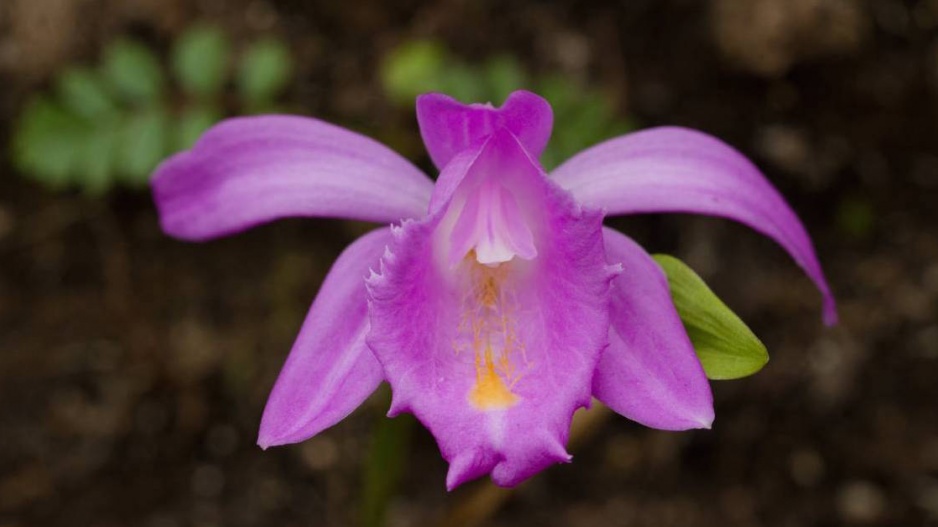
[(680, 170), (449, 127), (490, 222), (251, 170), (494, 359), (649, 373), (330, 370), (489, 209)]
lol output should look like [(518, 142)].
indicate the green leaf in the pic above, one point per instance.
[(134, 71), (47, 142), (191, 124), (562, 93), (265, 71), (144, 144), (725, 345), (504, 75), (412, 69), (97, 160), (583, 125), (462, 82), (200, 60), (85, 93)]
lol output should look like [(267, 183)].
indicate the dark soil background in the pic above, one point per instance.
[(134, 368)]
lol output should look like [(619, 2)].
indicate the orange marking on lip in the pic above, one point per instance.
[(489, 391), (487, 328)]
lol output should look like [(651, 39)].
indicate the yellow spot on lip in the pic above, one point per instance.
[(490, 392), (488, 329)]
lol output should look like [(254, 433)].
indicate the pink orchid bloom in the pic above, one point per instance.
[(496, 304)]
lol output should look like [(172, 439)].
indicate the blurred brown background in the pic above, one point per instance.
[(133, 368)]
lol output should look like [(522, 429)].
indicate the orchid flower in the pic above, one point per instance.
[(495, 304)]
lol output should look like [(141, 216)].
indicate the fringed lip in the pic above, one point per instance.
[(504, 353)]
